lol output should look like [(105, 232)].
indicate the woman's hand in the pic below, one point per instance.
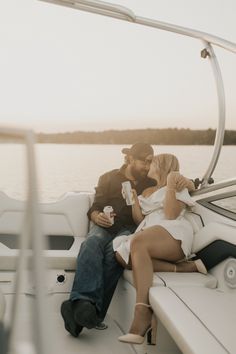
[(172, 206), (134, 196), (172, 180), (178, 182)]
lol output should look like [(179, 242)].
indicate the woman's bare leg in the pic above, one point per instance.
[(152, 243), (183, 267), (186, 267), (162, 266), (158, 265)]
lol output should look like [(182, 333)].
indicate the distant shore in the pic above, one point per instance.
[(153, 136)]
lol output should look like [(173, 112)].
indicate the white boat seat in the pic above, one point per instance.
[(55, 259), (212, 232), (177, 279), (61, 259), (58, 260), (196, 318), (65, 218), (188, 279)]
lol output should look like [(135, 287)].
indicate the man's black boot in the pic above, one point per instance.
[(85, 313), (68, 316)]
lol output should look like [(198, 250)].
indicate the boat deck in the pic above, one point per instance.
[(92, 341)]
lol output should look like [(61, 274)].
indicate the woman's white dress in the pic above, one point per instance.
[(152, 208)]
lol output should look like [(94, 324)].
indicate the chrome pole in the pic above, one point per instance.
[(219, 138)]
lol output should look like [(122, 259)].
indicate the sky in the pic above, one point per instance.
[(65, 70)]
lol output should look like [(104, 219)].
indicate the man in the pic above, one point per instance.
[(97, 271)]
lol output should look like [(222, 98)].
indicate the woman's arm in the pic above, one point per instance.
[(136, 209), (172, 206)]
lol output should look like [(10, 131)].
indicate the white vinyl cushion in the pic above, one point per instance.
[(66, 216), (216, 310), (177, 279), (188, 279), (54, 259), (193, 318)]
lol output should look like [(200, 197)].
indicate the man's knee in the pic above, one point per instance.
[(99, 237), (91, 243)]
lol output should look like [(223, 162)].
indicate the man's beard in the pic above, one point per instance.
[(137, 175)]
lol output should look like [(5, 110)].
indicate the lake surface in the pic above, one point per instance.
[(64, 168)]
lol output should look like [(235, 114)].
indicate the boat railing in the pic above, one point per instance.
[(31, 237), (125, 14), (215, 187)]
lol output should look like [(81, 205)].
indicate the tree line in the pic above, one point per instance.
[(153, 136)]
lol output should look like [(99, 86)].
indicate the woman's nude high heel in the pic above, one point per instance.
[(150, 332), (200, 266)]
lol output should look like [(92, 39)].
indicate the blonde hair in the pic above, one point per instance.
[(165, 163)]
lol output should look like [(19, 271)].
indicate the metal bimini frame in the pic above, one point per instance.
[(125, 14)]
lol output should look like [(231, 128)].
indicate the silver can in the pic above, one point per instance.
[(127, 191), (108, 210)]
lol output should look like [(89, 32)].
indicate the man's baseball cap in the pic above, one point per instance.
[(139, 151)]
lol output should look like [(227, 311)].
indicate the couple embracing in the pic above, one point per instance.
[(150, 235)]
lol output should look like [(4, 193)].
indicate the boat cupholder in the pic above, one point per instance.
[(230, 273)]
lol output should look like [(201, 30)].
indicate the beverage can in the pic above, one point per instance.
[(108, 210), (127, 191)]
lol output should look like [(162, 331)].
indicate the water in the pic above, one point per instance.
[(63, 168)]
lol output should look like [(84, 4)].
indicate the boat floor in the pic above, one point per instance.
[(91, 341)]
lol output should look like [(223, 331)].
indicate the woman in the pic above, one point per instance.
[(163, 238)]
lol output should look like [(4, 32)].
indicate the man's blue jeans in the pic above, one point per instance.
[(97, 271)]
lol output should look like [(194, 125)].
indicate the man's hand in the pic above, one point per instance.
[(178, 182), (101, 219)]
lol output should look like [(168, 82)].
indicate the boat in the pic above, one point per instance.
[(196, 312)]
